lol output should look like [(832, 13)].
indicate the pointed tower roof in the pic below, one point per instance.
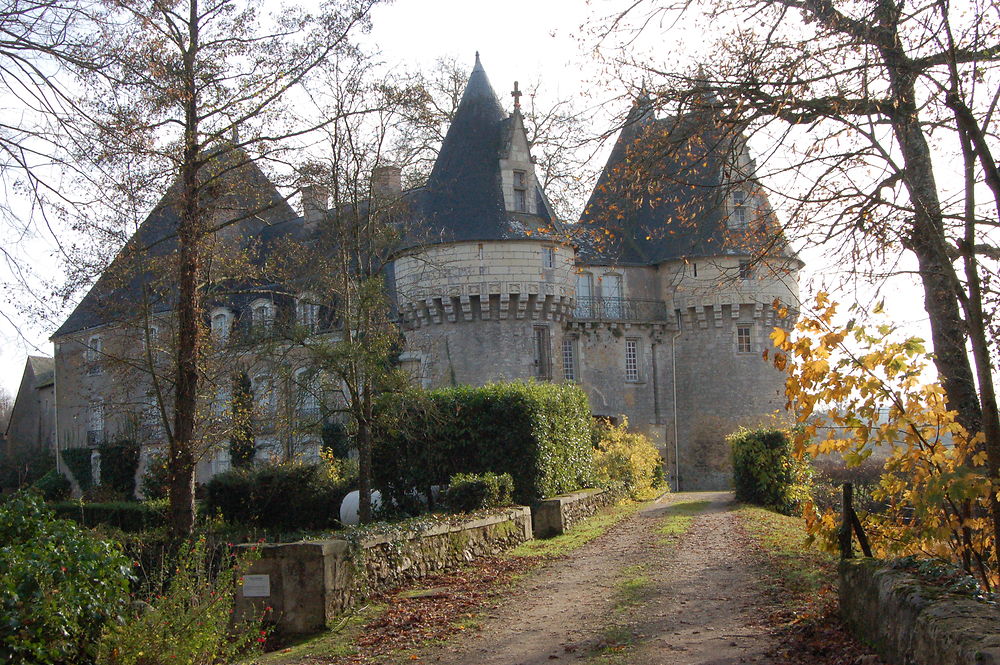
[(463, 198), (662, 193)]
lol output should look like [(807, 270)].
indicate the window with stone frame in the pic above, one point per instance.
[(94, 354), (95, 424), (222, 321), (520, 191), (307, 400), (264, 396), (569, 358), (548, 257), (746, 270), (307, 313), (744, 338), (632, 359), (738, 217), (543, 356), (262, 316)]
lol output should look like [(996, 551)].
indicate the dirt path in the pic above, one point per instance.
[(627, 597)]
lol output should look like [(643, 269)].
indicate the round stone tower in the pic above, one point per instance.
[(484, 288)]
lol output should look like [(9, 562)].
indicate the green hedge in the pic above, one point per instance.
[(539, 433), (125, 515), (764, 471), (277, 496), (54, 486), (78, 462), (468, 492)]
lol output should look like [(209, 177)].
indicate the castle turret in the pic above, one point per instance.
[(483, 292), (679, 231)]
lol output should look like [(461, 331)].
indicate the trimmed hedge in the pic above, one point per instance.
[(539, 433), (125, 515), (277, 496), (468, 492), (764, 471)]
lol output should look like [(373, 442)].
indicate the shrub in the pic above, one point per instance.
[(765, 472), (539, 433), (468, 492), (124, 515), (277, 496), (627, 461), (23, 466), (155, 481), (119, 463), (53, 486), (78, 462), (59, 585), (190, 621)]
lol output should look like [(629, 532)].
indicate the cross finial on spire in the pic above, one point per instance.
[(516, 94)]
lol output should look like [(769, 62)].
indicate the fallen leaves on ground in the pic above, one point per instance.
[(449, 607)]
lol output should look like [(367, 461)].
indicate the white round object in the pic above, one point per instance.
[(349, 506)]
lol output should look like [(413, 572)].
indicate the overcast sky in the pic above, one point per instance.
[(522, 40)]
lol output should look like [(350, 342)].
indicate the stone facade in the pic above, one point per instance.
[(665, 328), (30, 429)]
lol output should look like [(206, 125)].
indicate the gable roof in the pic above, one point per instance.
[(263, 215), (662, 195)]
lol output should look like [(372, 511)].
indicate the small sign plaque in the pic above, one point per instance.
[(256, 586)]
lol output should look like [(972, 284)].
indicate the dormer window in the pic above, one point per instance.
[(307, 313), (738, 216), (262, 316), (520, 191), (221, 325)]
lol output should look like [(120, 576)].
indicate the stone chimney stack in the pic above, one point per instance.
[(387, 181), (315, 202)]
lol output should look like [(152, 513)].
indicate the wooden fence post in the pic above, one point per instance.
[(846, 522)]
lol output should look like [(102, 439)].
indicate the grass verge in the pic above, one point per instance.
[(800, 568), (678, 520), (579, 535), (337, 642)]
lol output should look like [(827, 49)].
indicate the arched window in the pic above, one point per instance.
[(262, 316), (222, 322)]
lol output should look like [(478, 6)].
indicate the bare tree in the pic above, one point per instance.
[(190, 96), (865, 105)]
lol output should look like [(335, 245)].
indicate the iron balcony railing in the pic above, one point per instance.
[(620, 309)]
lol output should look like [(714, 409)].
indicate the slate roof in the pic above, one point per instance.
[(661, 195), (122, 284), (43, 369), (463, 198)]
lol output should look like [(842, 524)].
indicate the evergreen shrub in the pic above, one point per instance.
[(626, 462), (765, 473), (78, 462), (53, 486), (119, 464), (125, 515), (539, 433), (59, 587), (155, 481), (291, 495), (468, 492)]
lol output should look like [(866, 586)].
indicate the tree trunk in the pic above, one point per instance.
[(189, 232), (364, 469)]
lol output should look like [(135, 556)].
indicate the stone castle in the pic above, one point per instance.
[(658, 301)]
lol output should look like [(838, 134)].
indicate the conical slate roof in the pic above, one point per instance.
[(662, 195), (463, 198)]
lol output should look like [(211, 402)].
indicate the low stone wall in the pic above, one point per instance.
[(554, 516), (308, 583), (910, 623)]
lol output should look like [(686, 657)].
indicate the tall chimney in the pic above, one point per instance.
[(315, 200), (387, 181)]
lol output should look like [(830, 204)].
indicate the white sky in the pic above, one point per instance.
[(521, 40)]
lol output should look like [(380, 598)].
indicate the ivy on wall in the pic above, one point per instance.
[(77, 460)]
